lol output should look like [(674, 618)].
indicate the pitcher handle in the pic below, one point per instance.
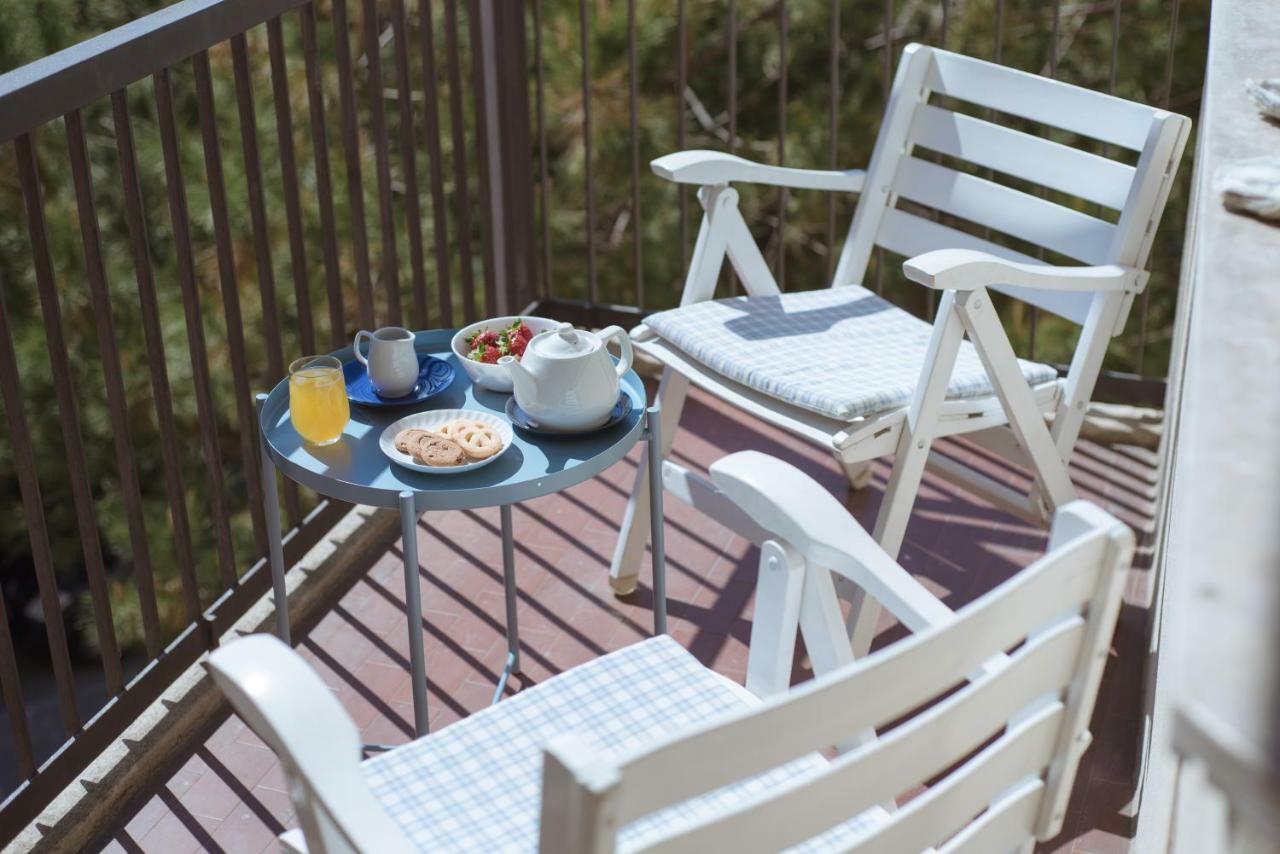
[(624, 342), (356, 346)]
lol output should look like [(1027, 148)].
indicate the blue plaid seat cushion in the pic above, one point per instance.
[(840, 352), (476, 784)]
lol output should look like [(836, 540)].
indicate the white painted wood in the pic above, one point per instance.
[(716, 167), (272, 689), (1006, 826), (1012, 212), (1049, 102), (1023, 155), (989, 339), (779, 586), (909, 235), (879, 688), (1083, 690), (891, 142), (579, 790), (1059, 613), (967, 270), (952, 803), (1097, 296), (701, 494), (916, 438), (624, 569), (784, 500), (895, 763)]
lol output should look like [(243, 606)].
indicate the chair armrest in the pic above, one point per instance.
[(967, 270), (793, 506), (715, 167)]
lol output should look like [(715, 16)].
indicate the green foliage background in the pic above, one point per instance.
[(29, 30)]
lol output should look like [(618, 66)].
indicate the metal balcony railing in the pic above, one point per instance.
[(212, 189)]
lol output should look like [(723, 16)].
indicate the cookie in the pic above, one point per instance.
[(438, 451), (478, 440), (407, 440)]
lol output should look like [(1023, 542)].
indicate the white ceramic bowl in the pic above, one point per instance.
[(433, 421), (493, 377)]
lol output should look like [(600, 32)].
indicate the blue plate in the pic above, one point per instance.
[(434, 376), (521, 419)]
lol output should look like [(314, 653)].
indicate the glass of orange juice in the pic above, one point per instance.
[(318, 399)]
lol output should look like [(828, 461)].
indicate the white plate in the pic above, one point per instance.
[(434, 420)]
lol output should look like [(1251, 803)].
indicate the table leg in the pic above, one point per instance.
[(413, 610), (509, 588), (653, 430), (275, 543)]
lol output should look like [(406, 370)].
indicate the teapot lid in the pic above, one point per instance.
[(565, 342)]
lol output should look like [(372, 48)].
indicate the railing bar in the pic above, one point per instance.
[(118, 412), (15, 708), (261, 234), (1144, 312), (931, 296), (544, 185), (1055, 25), (230, 296), (324, 180), (431, 119), (780, 262), (833, 128), (488, 225), (68, 411), (637, 230), (351, 151), (886, 85), (1115, 46), (584, 43), (289, 175), (998, 54), (196, 348), (731, 45), (461, 192), (409, 164), (682, 118), (382, 162), (175, 490), (24, 461)]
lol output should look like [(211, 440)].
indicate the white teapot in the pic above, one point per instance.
[(566, 379)]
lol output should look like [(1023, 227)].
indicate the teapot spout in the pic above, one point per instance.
[(521, 379)]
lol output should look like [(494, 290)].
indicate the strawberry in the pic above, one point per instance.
[(491, 354), (517, 345), (486, 339), (524, 332)]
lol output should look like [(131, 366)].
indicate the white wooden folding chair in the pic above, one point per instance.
[(645, 749), (848, 371)]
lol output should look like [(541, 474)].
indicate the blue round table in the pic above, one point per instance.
[(354, 469)]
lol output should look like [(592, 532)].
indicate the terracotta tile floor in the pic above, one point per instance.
[(228, 793)]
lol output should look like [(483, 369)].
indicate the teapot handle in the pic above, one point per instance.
[(624, 341)]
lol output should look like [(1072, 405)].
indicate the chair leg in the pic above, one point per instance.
[(858, 474), (624, 571)]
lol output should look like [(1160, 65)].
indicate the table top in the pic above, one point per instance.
[(355, 469)]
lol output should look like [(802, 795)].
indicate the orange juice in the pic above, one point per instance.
[(318, 399)]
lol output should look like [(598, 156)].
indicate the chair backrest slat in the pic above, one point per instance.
[(935, 815), (1077, 235), (1004, 689), (1040, 99), (1006, 825), (883, 687), (908, 234), (930, 114), (1021, 155), (906, 757)]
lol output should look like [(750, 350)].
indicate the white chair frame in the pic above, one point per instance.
[(1011, 422), (1062, 610)]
